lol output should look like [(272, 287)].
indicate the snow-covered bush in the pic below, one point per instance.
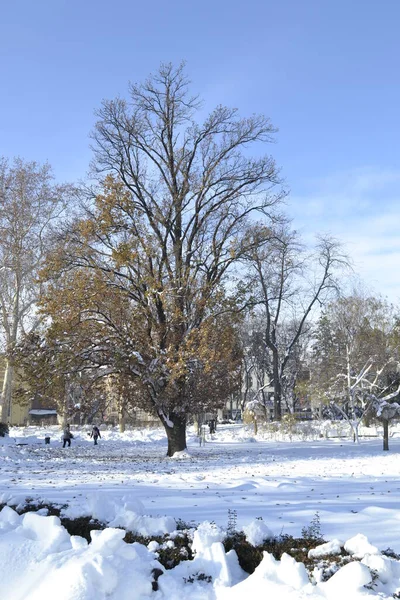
[(257, 532), (270, 429), (289, 425)]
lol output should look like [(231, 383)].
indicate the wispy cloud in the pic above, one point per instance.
[(362, 209)]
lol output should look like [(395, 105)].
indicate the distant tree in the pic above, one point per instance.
[(257, 367), (324, 362), (386, 409), (30, 204), (256, 364), (356, 357), (45, 376), (287, 283), (167, 228)]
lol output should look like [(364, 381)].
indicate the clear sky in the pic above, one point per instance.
[(325, 71)]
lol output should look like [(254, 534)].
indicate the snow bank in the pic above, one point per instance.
[(40, 560), (120, 511), (349, 582)]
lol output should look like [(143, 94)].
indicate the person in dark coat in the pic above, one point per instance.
[(67, 436), (95, 434)]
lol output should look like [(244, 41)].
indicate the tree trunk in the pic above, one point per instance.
[(277, 400), (176, 434), (277, 387), (6, 395), (121, 420), (385, 434), (354, 421), (354, 428), (197, 424)]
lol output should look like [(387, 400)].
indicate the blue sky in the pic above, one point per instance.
[(325, 72)]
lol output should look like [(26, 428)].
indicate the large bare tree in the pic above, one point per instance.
[(167, 228), (29, 203), (287, 282)]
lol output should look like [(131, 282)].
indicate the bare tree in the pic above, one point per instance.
[(169, 225), (357, 369), (256, 364), (287, 284), (29, 204)]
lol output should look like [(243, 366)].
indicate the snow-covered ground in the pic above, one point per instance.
[(126, 481)]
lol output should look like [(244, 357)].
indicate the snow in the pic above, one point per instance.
[(348, 582), (120, 511), (256, 532), (270, 485), (358, 546), (42, 412), (328, 549)]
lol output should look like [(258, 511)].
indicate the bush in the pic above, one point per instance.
[(289, 425), (3, 429), (248, 417)]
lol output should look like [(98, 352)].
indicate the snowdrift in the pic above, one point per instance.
[(40, 560)]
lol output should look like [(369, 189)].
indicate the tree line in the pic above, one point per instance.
[(173, 273)]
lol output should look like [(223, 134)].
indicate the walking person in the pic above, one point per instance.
[(95, 434), (67, 436)]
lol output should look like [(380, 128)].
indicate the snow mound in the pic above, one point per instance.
[(386, 568), (120, 511), (348, 581), (183, 454), (40, 560), (256, 532), (205, 535), (329, 548), (358, 546)]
